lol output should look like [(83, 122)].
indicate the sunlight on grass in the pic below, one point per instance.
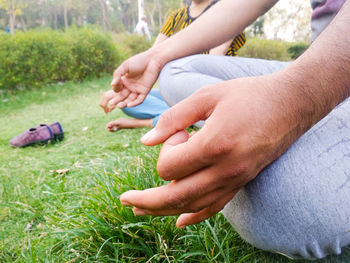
[(47, 215)]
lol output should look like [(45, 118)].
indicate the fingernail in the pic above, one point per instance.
[(149, 136), (181, 226), (114, 82), (140, 212)]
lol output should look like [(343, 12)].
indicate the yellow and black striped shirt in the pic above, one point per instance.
[(181, 18)]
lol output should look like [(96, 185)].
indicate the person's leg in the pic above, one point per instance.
[(182, 77), (151, 107), (146, 114), (127, 123), (298, 205)]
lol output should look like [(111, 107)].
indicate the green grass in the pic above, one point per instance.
[(46, 216)]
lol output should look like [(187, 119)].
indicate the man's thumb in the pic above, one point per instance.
[(178, 118)]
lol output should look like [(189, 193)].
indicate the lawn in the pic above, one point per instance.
[(59, 202)]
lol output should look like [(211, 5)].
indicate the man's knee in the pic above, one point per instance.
[(299, 204), (294, 221)]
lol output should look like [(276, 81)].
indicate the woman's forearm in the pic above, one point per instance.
[(222, 22)]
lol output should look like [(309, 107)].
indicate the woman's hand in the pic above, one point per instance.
[(132, 81)]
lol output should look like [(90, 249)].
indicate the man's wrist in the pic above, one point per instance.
[(302, 97)]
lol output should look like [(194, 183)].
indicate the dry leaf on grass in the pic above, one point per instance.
[(62, 171)]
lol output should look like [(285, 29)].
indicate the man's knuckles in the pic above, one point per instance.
[(175, 201)]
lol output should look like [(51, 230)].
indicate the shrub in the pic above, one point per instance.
[(30, 59), (296, 49), (131, 44), (267, 49)]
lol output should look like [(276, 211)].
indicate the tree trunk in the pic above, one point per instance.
[(12, 21), (160, 15), (105, 15), (151, 14), (127, 20), (23, 23), (55, 19), (65, 14), (141, 9)]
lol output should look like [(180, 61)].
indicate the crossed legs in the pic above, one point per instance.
[(144, 115), (298, 205)]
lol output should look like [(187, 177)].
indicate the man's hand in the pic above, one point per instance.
[(245, 129), (132, 81), (248, 124)]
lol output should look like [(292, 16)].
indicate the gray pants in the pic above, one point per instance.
[(299, 205)]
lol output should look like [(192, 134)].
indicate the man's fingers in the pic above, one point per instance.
[(183, 159), (195, 218), (195, 206), (176, 195), (187, 112), (177, 138)]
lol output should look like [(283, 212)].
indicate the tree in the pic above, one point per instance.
[(289, 21), (105, 15), (121, 14), (158, 10), (257, 28), (13, 8)]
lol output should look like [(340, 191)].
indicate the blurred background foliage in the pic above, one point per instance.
[(60, 40)]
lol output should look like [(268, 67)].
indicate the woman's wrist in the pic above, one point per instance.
[(159, 55)]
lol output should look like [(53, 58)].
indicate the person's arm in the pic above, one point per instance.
[(160, 38), (134, 78), (250, 122), (220, 50), (217, 28)]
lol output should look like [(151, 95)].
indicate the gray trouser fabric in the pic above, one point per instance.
[(300, 204)]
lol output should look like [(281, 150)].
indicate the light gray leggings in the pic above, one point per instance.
[(300, 204)]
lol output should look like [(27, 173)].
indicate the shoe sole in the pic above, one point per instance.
[(32, 143)]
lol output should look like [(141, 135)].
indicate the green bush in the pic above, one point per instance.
[(296, 49), (267, 49), (30, 59), (131, 44)]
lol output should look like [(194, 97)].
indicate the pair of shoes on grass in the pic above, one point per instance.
[(41, 134)]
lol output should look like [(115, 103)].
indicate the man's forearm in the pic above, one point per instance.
[(320, 79), (222, 22)]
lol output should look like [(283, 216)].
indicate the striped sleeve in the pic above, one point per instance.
[(236, 44), (169, 24)]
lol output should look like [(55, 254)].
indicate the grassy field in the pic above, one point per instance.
[(59, 202)]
